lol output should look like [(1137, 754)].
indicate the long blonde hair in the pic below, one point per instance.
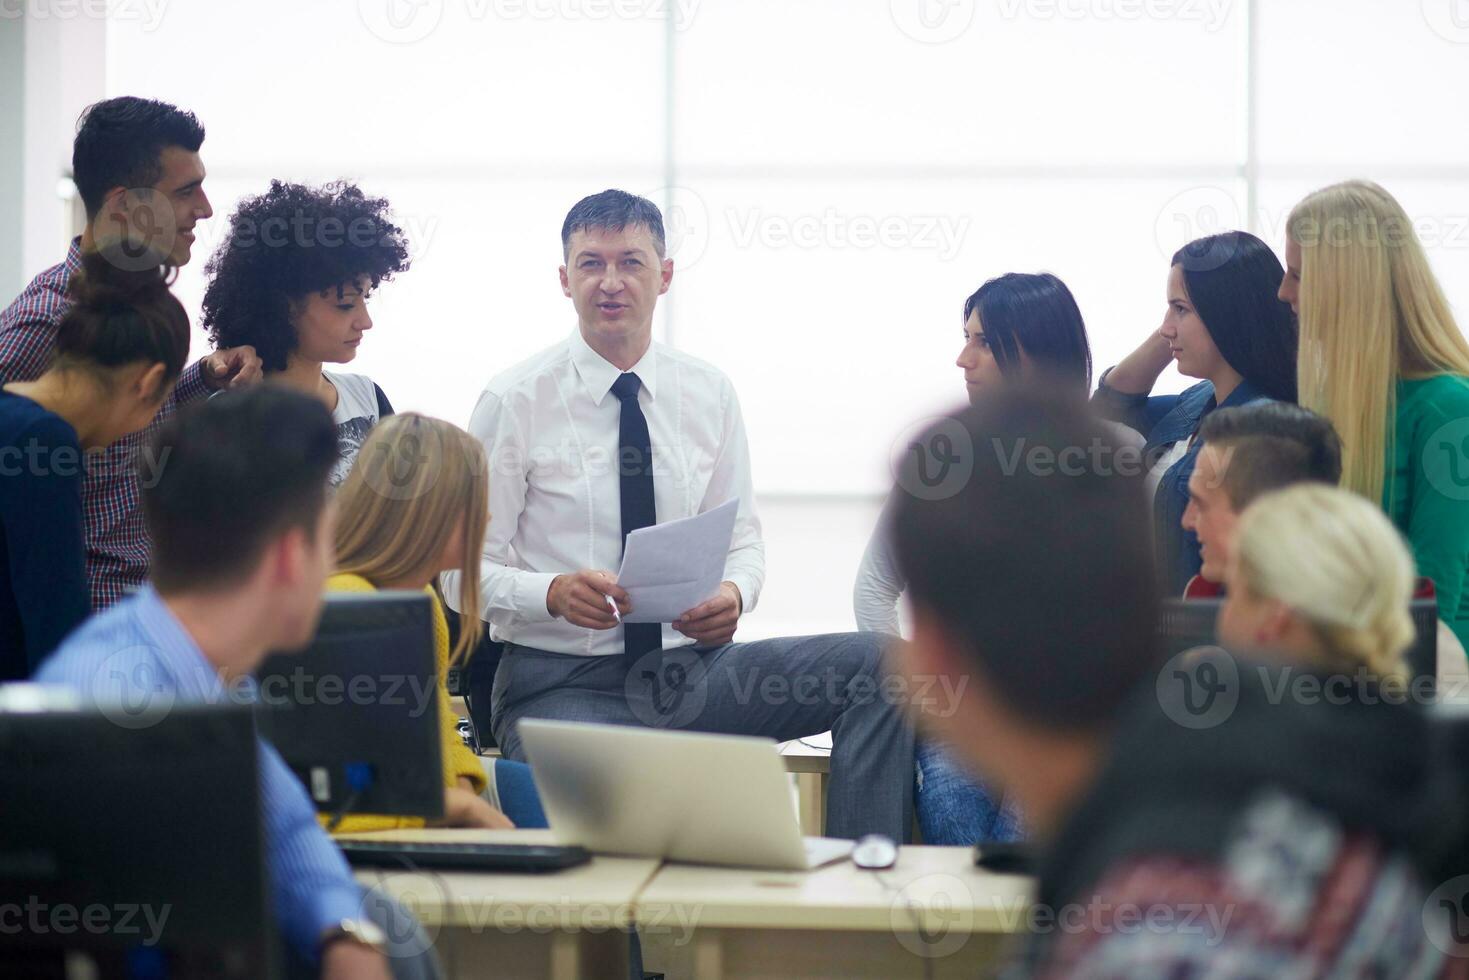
[(1371, 311), (414, 480), (1339, 563)]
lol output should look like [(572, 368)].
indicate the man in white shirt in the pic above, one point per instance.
[(607, 432)]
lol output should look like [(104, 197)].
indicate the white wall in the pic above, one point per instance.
[(844, 173)]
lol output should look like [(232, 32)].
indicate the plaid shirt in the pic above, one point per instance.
[(117, 541)]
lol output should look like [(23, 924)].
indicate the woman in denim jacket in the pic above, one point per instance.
[(1225, 325)]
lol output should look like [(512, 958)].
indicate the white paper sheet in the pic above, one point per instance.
[(670, 568)]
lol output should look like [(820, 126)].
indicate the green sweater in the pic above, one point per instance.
[(1426, 492)]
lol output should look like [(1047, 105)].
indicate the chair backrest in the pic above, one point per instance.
[(1422, 656)]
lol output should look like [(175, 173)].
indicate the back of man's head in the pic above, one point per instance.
[(228, 478), (119, 142), (613, 210), (1271, 446), (1039, 563)]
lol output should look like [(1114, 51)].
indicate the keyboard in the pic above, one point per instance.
[(448, 856)]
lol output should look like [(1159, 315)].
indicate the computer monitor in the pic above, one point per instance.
[(132, 850), (355, 715), (1186, 623)]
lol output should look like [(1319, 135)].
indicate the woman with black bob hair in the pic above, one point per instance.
[(1225, 325), (119, 350), (292, 280), (1018, 329), (1022, 323)]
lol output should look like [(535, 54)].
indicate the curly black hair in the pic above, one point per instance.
[(287, 244)]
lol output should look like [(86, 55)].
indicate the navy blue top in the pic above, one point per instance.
[(1166, 420), (43, 576)]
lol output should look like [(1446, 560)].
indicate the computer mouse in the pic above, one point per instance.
[(874, 852)]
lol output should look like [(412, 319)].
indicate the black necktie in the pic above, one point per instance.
[(635, 472)]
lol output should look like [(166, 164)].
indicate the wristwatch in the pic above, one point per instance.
[(359, 931)]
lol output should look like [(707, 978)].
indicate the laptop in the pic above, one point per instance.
[(681, 796)]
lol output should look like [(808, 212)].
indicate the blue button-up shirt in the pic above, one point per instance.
[(137, 656)]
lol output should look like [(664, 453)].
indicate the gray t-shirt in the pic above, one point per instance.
[(355, 415)]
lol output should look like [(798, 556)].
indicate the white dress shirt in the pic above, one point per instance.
[(550, 430)]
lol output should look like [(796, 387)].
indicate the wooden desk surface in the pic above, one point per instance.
[(937, 887), (598, 895)]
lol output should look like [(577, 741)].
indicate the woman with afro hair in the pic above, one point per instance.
[(292, 280)]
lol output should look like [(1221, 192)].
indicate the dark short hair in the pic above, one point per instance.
[(1233, 281), (1039, 563), (1274, 445), (1038, 315), (287, 244), (613, 210), (235, 473), (119, 142), (121, 315)]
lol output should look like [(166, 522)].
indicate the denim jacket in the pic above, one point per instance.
[(1166, 420)]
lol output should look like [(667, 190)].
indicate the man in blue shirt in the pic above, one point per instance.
[(242, 525)]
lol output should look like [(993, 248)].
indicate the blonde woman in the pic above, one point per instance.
[(1381, 356), (415, 504), (1321, 576)]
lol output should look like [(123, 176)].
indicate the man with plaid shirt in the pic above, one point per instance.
[(136, 164)]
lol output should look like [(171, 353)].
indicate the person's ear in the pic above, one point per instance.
[(289, 558), (151, 384), (113, 214), (667, 276), (565, 282)]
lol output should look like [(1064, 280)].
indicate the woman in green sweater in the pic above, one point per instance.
[(1381, 356)]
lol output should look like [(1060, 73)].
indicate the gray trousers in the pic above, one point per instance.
[(782, 689)]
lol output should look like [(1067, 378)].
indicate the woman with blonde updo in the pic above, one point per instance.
[(1322, 577), (416, 503)]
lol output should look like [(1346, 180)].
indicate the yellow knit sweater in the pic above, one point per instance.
[(458, 759)]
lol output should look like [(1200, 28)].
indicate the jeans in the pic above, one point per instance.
[(780, 689), (953, 809)]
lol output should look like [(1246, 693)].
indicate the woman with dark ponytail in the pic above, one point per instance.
[(119, 351)]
